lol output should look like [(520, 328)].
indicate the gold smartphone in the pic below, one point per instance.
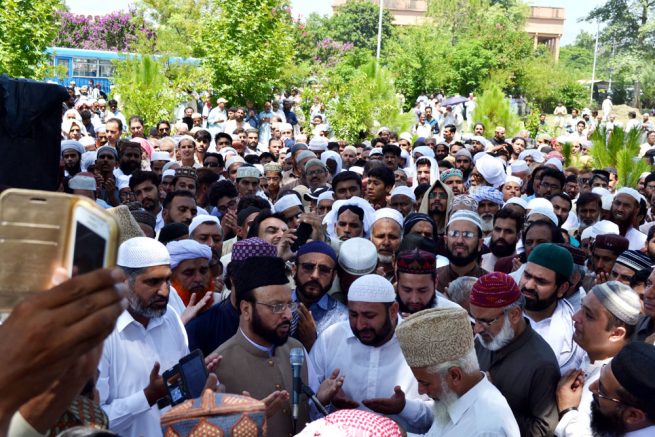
[(41, 231)]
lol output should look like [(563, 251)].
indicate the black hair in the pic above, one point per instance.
[(451, 127), (223, 135), (554, 173), (141, 176), (265, 155), (124, 144), (564, 196), (391, 148), (383, 173), (641, 276), (265, 214), (117, 121), (164, 122), (508, 213), (421, 189), (173, 194), (251, 159), (221, 189), (253, 200), (218, 156), (556, 237), (136, 118), (650, 178), (354, 209), (206, 176), (589, 197), (203, 135), (346, 176), (444, 163)]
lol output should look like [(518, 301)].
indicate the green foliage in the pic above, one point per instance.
[(152, 87), (492, 109), (357, 22), (619, 149), (26, 29), (246, 46)]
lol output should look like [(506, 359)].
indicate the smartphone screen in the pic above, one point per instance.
[(194, 374), (89, 250)]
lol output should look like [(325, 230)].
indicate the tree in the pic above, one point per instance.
[(26, 29), (356, 22), (619, 149), (246, 46), (492, 109)]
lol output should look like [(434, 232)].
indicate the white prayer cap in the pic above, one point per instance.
[(88, 159), (248, 171), (371, 288), (375, 151), (403, 191), (140, 252), (358, 256), (233, 160), (318, 144), (160, 156), (285, 126), (544, 211), (196, 115), (357, 169), (424, 151), (467, 216), (514, 179), (491, 169), (555, 163), (351, 148), (389, 213), (519, 166), (479, 155), (644, 174), (80, 182), (605, 227), (601, 191), (169, 172), (536, 155), (187, 249), (607, 202), (123, 182), (259, 167), (202, 219), (405, 136), (517, 201), (539, 202), (87, 141), (383, 129), (286, 202), (326, 195), (72, 145), (630, 192)]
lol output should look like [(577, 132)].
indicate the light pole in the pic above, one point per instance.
[(593, 71), (377, 55)]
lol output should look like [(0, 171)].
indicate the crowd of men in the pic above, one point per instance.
[(453, 284)]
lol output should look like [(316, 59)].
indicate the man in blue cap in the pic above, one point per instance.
[(316, 264)]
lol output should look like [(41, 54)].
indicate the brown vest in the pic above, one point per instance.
[(244, 367)]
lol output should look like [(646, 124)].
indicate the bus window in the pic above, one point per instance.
[(105, 68), (62, 64), (85, 67)]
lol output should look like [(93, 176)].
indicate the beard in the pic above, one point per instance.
[(406, 309), (301, 289), (487, 222), (461, 261), (385, 259), (603, 425), (584, 225), (269, 335), (502, 339), (446, 398), (147, 309), (534, 303), (378, 336), (501, 248), (129, 167)]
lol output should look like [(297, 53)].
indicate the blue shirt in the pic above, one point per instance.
[(326, 312), (212, 328)]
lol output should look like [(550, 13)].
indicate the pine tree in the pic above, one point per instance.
[(492, 109)]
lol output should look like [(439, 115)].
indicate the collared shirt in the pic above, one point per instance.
[(643, 432), (128, 357), (326, 312), (470, 414), (557, 330), (576, 423), (446, 275), (371, 372)]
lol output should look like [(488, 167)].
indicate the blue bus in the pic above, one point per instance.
[(81, 65)]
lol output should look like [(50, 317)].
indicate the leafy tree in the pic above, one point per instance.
[(493, 109), (356, 22), (619, 149), (26, 29), (246, 46)]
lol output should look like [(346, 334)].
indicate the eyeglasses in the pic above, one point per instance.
[(603, 395), (467, 235), (279, 308), (316, 172), (486, 323), (322, 269), (230, 205), (434, 195)]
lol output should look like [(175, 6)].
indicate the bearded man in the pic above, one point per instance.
[(505, 235)]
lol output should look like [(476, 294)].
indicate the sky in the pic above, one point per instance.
[(574, 10)]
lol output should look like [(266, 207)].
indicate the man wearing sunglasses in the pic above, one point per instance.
[(603, 326), (316, 264)]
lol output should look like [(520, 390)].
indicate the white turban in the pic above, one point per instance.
[(334, 156), (187, 249), (123, 182), (514, 179), (492, 170), (331, 218), (424, 151), (88, 159), (140, 252), (286, 202)]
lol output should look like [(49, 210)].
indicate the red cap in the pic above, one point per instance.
[(495, 290)]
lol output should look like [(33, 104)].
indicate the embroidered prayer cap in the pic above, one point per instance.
[(615, 243), (72, 145), (203, 219), (233, 160), (144, 217), (371, 288), (495, 290), (248, 172), (251, 247), (464, 201), (467, 216), (216, 414), (140, 252), (272, 167), (448, 173), (635, 260), (403, 191), (490, 194), (127, 225), (352, 423), (634, 368), (435, 336), (417, 262), (579, 256), (552, 257), (184, 250), (286, 202), (358, 256), (389, 213), (620, 300), (186, 172)]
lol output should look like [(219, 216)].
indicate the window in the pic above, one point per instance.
[(105, 68), (85, 67), (62, 66)]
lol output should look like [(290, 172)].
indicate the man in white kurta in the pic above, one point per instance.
[(149, 331), (372, 371)]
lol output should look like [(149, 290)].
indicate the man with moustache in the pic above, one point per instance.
[(316, 265), (366, 351), (179, 207), (438, 347), (463, 244), (519, 362), (490, 200), (145, 186), (625, 207), (129, 158), (147, 340), (256, 358), (624, 395), (507, 226), (415, 276), (544, 284), (386, 235), (191, 279)]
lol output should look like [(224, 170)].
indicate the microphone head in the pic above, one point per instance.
[(297, 356)]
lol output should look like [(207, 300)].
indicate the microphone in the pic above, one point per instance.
[(297, 357), (311, 395)]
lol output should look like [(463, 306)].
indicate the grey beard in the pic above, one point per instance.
[(385, 259), (440, 406), (137, 307), (487, 222), (502, 339)]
